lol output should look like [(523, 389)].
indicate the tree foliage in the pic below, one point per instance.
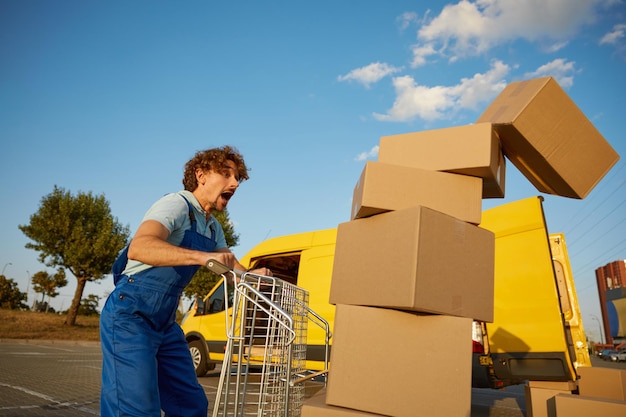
[(89, 306), (10, 295), (204, 280), (77, 233), (232, 238), (47, 284)]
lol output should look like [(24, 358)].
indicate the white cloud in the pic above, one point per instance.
[(471, 92), (413, 100), (405, 19), (561, 69), (472, 27), (372, 153), (431, 103), (369, 74), (614, 36), (420, 54)]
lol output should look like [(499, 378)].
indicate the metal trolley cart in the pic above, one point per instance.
[(267, 333)]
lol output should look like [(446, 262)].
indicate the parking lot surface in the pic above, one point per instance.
[(62, 379)]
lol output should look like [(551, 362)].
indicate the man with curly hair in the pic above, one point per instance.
[(146, 365)]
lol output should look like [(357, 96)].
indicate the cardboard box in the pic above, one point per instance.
[(602, 382), (537, 399), (316, 407), (468, 150), (555, 385), (385, 187), (570, 405), (415, 259), (418, 375), (548, 138)]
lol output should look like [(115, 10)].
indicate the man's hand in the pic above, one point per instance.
[(262, 271)]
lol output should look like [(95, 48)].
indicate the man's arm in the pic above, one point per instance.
[(150, 246)]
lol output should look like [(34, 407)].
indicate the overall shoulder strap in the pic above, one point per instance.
[(192, 216)]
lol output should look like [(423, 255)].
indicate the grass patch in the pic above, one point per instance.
[(16, 324)]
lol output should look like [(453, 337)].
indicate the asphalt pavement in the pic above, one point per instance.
[(62, 379)]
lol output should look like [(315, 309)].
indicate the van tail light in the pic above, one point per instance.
[(477, 347), (477, 338)]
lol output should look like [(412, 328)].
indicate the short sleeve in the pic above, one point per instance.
[(172, 212), (220, 237)]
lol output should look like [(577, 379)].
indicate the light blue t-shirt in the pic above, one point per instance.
[(172, 212)]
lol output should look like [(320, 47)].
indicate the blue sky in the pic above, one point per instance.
[(114, 97)]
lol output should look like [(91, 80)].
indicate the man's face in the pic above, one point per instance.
[(215, 188)]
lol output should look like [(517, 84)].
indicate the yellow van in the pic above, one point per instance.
[(305, 260), (536, 334)]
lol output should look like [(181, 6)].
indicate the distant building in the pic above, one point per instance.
[(611, 280)]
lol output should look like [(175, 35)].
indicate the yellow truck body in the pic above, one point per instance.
[(537, 331)]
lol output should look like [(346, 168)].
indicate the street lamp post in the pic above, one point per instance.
[(593, 316), (5, 267), (27, 286)]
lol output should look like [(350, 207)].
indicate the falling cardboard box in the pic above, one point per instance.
[(415, 259), (385, 187), (548, 138), (467, 150), (430, 357)]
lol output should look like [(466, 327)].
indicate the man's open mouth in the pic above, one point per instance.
[(226, 195)]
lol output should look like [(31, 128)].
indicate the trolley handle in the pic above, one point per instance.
[(221, 269)]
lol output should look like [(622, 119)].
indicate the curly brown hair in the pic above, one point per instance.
[(213, 160)]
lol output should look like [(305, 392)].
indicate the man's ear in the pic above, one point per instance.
[(200, 176)]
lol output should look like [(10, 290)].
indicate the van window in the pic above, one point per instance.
[(216, 301), (284, 266)]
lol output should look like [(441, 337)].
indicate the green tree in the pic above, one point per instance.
[(10, 295), (89, 306), (77, 233), (204, 280), (47, 284)]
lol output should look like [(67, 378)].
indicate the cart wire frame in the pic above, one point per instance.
[(267, 332)]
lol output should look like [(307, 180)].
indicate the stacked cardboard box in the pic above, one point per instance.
[(412, 267), (472, 150), (600, 391), (570, 405), (540, 393)]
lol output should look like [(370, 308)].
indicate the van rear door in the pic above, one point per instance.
[(535, 308)]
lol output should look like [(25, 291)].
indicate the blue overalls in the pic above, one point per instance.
[(146, 363)]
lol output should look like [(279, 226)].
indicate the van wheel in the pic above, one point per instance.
[(200, 358)]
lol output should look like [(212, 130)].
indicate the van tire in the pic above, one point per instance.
[(200, 358)]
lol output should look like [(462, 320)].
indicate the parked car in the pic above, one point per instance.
[(618, 356), (606, 354)]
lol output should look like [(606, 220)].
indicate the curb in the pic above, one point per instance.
[(89, 343)]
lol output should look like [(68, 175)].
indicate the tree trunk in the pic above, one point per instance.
[(70, 320), (40, 306)]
